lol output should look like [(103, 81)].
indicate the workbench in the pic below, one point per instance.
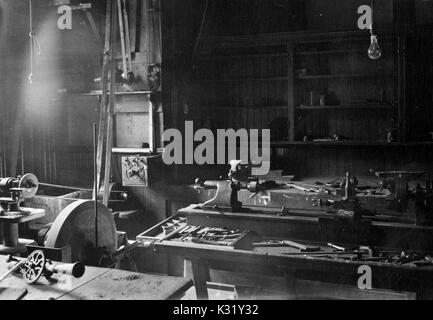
[(96, 284), (415, 281)]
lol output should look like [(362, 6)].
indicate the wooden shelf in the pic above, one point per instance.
[(284, 144), (348, 107), (326, 52), (344, 75), (243, 56), (244, 79), (250, 107), (338, 51), (126, 93)]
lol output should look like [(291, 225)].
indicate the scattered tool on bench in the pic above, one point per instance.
[(37, 265), (287, 243), (335, 247)]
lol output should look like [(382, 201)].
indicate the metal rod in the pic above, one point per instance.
[(151, 127), (127, 35), (22, 150), (122, 38), (12, 270), (95, 175), (63, 187)]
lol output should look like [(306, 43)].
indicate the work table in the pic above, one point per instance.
[(96, 284)]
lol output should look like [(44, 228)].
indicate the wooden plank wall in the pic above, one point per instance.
[(66, 68)]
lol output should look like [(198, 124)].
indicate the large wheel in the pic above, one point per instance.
[(75, 226)]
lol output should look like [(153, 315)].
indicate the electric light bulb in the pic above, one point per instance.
[(374, 51)]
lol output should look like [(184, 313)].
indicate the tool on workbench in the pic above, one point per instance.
[(304, 188), (335, 247), (36, 265), (348, 210), (287, 243), (398, 183), (239, 178), (232, 238)]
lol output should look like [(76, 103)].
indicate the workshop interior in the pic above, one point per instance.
[(114, 183)]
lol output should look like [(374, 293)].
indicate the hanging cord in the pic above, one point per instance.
[(200, 33), (34, 43)]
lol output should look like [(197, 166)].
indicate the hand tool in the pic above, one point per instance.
[(36, 265), (202, 241), (301, 247), (287, 243), (333, 246), (12, 270)]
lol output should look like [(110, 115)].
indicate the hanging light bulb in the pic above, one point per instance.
[(374, 51)]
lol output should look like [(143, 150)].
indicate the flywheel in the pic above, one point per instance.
[(75, 226)]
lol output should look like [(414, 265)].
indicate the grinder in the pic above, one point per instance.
[(14, 190)]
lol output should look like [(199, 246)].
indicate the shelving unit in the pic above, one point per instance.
[(254, 82)]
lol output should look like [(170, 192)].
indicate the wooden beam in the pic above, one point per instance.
[(112, 102), (103, 104), (290, 92)]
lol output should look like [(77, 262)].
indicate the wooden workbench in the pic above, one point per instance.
[(304, 228), (96, 284), (416, 281)]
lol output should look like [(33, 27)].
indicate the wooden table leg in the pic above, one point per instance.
[(290, 277), (200, 272)]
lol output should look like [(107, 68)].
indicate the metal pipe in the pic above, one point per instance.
[(127, 35), (151, 127), (122, 38), (95, 174)]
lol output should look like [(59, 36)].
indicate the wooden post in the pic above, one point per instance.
[(402, 89), (109, 142), (291, 108), (103, 105), (201, 276)]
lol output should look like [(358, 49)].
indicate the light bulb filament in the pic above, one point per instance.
[(374, 51)]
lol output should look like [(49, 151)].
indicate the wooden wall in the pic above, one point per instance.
[(217, 105), (213, 92), (56, 118)]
